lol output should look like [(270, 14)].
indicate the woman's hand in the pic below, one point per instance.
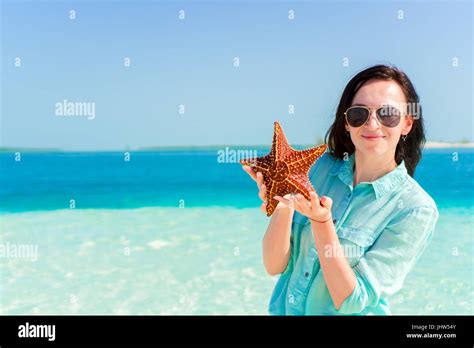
[(317, 209), (262, 191)]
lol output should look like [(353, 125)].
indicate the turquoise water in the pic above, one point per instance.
[(180, 233)]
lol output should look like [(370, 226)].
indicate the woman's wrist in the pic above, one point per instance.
[(322, 220)]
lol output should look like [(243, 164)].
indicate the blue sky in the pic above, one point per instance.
[(191, 62)]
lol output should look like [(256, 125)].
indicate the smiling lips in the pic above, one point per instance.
[(372, 137)]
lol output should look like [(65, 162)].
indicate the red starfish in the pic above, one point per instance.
[(285, 170)]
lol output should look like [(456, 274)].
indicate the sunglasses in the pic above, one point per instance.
[(388, 116)]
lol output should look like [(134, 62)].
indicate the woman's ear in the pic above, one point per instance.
[(408, 125)]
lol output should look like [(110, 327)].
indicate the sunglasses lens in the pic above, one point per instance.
[(389, 116), (357, 116)]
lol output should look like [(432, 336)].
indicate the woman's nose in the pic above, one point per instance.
[(373, 121)]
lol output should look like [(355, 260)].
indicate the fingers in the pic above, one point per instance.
[(261, 187), (326, 202), (289, 200), (259, 179), (301, 204), (250, 172), (282, 200), (292, 204), (314, 207), (301, 200), (314, 199), (262, 193)]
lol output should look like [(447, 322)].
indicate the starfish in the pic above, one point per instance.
[(285, 170)]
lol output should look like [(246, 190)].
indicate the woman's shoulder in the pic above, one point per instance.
[(413, 213), (415, 204), (416, 196)]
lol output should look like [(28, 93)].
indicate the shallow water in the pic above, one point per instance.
[(188, 261)]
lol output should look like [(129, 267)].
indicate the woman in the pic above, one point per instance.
[(350, 248)]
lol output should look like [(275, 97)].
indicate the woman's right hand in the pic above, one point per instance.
[(262, 191)]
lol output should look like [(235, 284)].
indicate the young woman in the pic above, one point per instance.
[(350, 248)]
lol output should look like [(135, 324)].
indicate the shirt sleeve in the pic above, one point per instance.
[(380, 273)]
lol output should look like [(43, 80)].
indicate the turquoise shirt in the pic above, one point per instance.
[(383, 227)]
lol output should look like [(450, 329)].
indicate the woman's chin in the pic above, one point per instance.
[(373, 148)]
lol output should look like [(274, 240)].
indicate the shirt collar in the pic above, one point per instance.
[(344, 169)]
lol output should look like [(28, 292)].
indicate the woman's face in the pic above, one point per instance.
[(375, 93)]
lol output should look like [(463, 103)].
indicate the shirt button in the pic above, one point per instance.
[(349, 194), (306, 274), (334, 221), (291, 298)]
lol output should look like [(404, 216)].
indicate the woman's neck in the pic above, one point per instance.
[(368, 169)]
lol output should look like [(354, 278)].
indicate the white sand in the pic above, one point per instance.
[(439, 144)]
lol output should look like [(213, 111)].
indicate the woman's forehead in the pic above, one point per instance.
[(379, 92)]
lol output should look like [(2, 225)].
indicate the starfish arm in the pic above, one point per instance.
[(263, 164), (303, 160), (296, 184), (271, 202), (280, 147), (258, 164)]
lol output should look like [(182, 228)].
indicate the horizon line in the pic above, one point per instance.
[(428, 144)]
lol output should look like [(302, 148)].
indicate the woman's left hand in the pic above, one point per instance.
[(317, 209)]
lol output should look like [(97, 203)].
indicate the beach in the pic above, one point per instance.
[(445, 145)]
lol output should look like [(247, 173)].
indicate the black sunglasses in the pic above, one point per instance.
[(388, 116)]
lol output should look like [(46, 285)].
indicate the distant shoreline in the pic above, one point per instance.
[(428, 145), (440, 144)]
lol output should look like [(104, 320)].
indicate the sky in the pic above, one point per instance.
[(182, 85)]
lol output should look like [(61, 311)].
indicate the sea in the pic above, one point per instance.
[(179, 232)]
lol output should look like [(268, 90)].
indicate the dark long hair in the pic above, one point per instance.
[(410, 150)]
